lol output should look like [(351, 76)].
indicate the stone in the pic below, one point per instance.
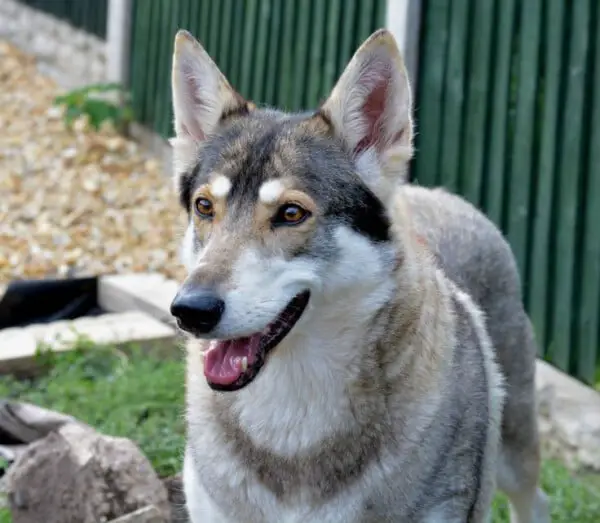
[(19, 346), (174, 486), (569, 418), (149, 292), (94, 478), (148, 514)]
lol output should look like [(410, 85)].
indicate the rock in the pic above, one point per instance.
[(569, 418), (148, 514), (26, 423), (174, 488), (93, 478)]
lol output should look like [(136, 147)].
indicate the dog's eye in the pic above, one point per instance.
[(290, 214), (204, 208)]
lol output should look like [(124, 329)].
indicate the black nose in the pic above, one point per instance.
[(197, 310)]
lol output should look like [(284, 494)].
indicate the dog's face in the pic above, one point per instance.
[(286, 212)]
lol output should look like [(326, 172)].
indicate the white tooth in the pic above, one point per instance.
[(244, 363)]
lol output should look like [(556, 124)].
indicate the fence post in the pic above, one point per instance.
[(403, 20), (118, 33)]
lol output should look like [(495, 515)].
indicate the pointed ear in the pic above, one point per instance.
[(370, 108), (202, 96)]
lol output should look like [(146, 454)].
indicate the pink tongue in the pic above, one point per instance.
[(223, 363)]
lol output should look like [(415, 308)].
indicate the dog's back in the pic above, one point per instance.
[(475, 255)]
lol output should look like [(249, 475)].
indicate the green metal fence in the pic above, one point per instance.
[(275, 52), (89, 15), (509, 116)]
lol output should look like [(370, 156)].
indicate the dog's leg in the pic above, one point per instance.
[(517, 478), (519, 459)]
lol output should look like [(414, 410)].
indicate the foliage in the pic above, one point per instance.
[(94, 101)]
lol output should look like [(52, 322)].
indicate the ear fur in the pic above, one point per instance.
[(370, 109), (202, 97)]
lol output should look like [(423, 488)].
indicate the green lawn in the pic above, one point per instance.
[(140, 396)]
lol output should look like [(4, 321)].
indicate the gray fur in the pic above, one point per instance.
[(412, 429)]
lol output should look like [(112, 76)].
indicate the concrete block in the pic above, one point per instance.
[(148, 292), (569, 418), (18, 346)]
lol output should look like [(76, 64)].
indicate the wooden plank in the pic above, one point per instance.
[(276, 39), (519, 185), (153, 44), (285, 91), (570, 163), (169, 25), (346, 46), (260, 51), (452, 109), (249, 41), (498, 119), (212, 42), (474, 137), (538, 275), (588, 347), (301, 63), (330, 67), (314, 91), (138, 61), (431, 88), (205, 22), (193, 22), (226, 26), (365, 22), (237, 31)]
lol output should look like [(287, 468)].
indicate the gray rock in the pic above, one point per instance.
[(148, 514), (76, 475), (174, 488), (569, 418)]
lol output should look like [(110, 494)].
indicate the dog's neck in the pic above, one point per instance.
[(301, 395), (309, 389)]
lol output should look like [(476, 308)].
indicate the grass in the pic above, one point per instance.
[(140, 396), (132, 394)]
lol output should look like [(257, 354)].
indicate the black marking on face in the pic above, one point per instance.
[(239, 110), (367, 216), (186, 186)]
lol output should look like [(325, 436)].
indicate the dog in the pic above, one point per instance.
[(357, 347)]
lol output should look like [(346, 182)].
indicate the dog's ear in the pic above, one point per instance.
[(370, 109), (202, 96)]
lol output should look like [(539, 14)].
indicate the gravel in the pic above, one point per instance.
[(75, 201)]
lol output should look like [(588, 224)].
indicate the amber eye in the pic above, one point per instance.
[(290, 214), (204, 208)]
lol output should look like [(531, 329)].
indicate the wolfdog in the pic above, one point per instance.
[(350, 336)]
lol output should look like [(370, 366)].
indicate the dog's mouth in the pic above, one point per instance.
[(232, 364)]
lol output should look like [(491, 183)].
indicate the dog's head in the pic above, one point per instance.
[(287, 212)]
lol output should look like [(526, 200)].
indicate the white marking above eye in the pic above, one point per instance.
[(270, 191), (220, 186)]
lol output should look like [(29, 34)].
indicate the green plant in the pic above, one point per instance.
[(100, 102)]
